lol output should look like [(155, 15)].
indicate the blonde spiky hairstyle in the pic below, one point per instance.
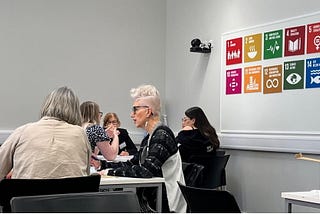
[(149, 95)]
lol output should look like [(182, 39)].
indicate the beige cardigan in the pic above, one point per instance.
[(48, 148)]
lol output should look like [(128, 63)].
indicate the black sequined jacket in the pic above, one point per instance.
[(162, 146)]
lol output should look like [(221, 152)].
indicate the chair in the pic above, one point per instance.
[(193, 173), (220, 152), (214, 174), (90, 202), (22, 187), (203, 200)]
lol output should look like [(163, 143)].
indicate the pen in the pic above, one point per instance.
[(95, 158)]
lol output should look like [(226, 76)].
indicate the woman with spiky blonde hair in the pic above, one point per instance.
[(158, 155)]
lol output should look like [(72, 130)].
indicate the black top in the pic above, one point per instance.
[(161, 147), (192, 142), (125, 142)]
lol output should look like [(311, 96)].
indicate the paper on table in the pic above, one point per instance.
[(104, 173), (119, 158), (123, 158)]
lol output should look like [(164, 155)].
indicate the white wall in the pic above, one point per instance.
[(99, 48), (193, 78), (102, 48), (256, 178)]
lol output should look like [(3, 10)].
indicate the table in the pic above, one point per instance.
[(308, 198), (107, 182)]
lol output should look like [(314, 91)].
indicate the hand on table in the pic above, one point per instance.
[(95, 162), (124, 153)]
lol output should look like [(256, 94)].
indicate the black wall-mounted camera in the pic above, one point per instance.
[(199, 47)]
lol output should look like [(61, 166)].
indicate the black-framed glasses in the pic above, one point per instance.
[(136, 108), (113, 122)]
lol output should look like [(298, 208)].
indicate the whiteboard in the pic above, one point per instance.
[(289, 111)]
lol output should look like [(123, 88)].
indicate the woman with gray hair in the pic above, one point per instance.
[(54, 147), (158, 155)]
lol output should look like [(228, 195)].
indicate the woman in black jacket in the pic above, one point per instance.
[(158, 155), (197, 137), (126, 145)]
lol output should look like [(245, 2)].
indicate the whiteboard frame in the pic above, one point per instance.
[(260, 140)]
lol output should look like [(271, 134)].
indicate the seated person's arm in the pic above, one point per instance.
[(162, 147), (131, 148), (109, 150)]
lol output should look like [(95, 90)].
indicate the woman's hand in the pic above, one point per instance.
[(187, 128), (95, 162), (9, 175), (124, 153), (111, 131)]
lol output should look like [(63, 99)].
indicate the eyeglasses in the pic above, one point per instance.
[(113, 122), (184, 119), (136, 108)]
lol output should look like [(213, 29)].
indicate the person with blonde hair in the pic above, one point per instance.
[(158, 155), (90, 112), (126, 146), (53, 147)]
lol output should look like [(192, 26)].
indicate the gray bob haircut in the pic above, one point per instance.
[(149, 95), (63, 104)]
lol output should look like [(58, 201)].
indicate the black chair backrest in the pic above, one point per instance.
[(214, 173), (203, 200), (96, 202), (193, 173), (22, 187), (220, 152)]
